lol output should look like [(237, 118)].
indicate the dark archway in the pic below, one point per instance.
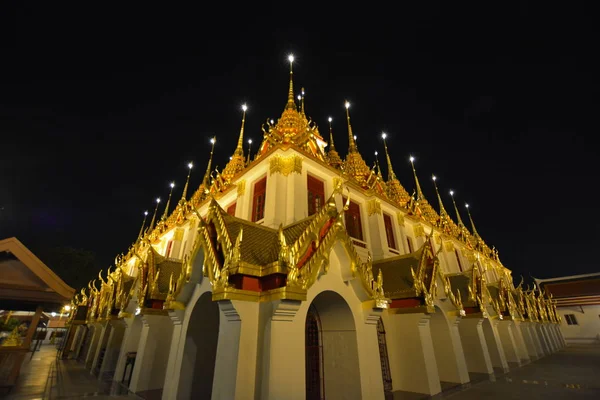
[(200, 351), (331, 335)]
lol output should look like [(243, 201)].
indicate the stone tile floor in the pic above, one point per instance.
[(572, 373), (44, 377)]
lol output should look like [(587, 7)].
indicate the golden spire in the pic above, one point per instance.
[(395, 190), (239, 150), (291, 103), (334, 158), (472, 223), (166, 212), (187, 181), (302, 101), (391, 174), (151, 226), (249, 150), (460, 223), (377, 165), (206, 178), (417, 185), (442, 209), (351, 143), (143, 224)]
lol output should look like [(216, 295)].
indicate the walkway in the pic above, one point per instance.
[(44, 377), (573, 373)]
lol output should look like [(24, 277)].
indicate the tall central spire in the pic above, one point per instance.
[(239, 150), (351, 143), (291, 103)]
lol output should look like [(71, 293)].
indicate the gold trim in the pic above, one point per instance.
[(285, 165), (413, 310), (418, 230), (373, 207), (241, 188), (282, 293), (400, 218)]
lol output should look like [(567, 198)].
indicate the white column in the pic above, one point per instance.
[(113, 347), (91, 352), (371, 379), (410, 349), (474, 345), (494, 344), (509, 343), (283, 358), (152, 354), (520, 341), (245, 335), (131, 339), (529, 344), (226, 363), (535, 339), (448, 350), (542, 338), (176, 345)]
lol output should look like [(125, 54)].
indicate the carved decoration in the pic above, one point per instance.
[(418, 230), (400, 218), (285, 165), (241, 188), (373, 207)]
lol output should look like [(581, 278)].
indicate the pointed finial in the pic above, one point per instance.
[(143, 224), (302, 101), (460, 223), (391, 174), (331, 134), (351, 138), (166, 212), (471, 219), (417, 185), (290, 102), (249, 150), (187, 181), (442, 209), (239, 150), (377, 163), (151, 226), (206, 179)]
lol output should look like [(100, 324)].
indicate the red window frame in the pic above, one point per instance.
[(353, 221), (258, 199), (389, 231), (316, 194), (231, 209)]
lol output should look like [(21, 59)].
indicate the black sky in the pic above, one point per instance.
[(101, 107)]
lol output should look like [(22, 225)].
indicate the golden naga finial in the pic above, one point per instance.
[(143, 224), (166, 212), (351, 142), (187, 181), (151, 226), (291, 103), (100, 276)]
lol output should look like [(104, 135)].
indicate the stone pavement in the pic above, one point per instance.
[(44, 377), (573, 373)]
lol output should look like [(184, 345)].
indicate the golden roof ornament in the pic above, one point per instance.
[(463, 233), (249, 151), (354, 166), (444, 223), (293, 128), (166, 212), (204, 188), (332, 155), (424, 208), (395, 190), (237, 163), (479, 244), (151, 226), (143, 225), (187, 182)]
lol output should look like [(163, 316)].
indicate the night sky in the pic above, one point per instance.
[(100, 108)]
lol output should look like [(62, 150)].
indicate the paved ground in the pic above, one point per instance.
[(573, 373)]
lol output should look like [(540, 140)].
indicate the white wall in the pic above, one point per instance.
[(587, 329)]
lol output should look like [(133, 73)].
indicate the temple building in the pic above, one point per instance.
[(295, 273)]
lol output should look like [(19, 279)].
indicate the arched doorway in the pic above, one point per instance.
[(200, 352), (332, 370), (385, 362)]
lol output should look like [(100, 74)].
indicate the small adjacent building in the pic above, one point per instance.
[(578, 305)]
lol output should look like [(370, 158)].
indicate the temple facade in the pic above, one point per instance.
[(294, 273)]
